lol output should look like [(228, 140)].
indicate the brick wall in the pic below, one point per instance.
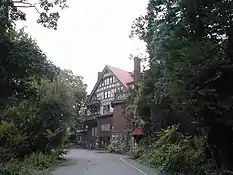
[(119, 122), (102, 121), (88, 134)]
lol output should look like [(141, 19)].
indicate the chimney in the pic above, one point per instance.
[(137, 69), (99, 74)]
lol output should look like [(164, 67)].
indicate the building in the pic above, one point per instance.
[(104, 120)]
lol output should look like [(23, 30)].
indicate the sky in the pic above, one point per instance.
[(90, 35)]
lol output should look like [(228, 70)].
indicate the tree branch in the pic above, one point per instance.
[(25, 5), (22, 6)]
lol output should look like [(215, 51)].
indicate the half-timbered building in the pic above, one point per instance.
[(104, 118)]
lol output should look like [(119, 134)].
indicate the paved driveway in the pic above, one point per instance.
[(88, 162)]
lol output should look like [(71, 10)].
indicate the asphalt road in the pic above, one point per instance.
[(88, 162)]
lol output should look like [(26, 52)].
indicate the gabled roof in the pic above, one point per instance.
[(123, 76)]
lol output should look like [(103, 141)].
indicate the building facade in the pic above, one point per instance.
[(104, 119)]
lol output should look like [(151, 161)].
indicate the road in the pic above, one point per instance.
[(89, 162)]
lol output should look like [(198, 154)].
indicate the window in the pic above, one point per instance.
[(132, 86), (110, 80), (105, 127), (106, 109), (107, 81), (105, 94), (112, 92), (101, 95), (94, 131)]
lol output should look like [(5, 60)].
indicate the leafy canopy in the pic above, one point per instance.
[(189, 44), (13, 10)]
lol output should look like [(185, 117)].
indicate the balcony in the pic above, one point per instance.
[(106, 113), (120, 97), (93, 102), (91, 116)]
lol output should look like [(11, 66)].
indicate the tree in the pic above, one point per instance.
[(39, 103), (23, 65), (39, 126), (12, 10), (190, 54), (22, 62), (77, 91)]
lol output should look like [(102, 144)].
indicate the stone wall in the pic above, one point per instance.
[(122, 142)]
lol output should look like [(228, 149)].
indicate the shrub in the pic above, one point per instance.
[(135, 153), (110, 148), (120, 143), (41, 160), (35, 164), (174, 152), (36, 126)]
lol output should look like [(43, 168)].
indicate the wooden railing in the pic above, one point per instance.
[(121, 95), (91, 116), (93, 102)]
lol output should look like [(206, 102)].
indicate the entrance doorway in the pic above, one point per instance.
[(104, 142)]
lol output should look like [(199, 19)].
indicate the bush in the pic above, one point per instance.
[(36, 126), (179, 154), (135, 153), (110, 148), (35, 164), (120, 143), (41, 160)]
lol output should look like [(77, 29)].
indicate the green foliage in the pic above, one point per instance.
[(136, 153), (35, 164), (183, 42), (39, 105), (14, 128), (42, 161), (189, 44), (76, 90), (129, 109), (22, 63), (173, 152), (119, 143), (39, 126), (110, 148), (13, 10)]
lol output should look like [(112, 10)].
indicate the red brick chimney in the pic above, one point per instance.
[(137, 69)]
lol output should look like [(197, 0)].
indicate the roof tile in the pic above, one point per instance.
[(124, 76)]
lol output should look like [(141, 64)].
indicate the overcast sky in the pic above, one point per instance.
[(91, 34)]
